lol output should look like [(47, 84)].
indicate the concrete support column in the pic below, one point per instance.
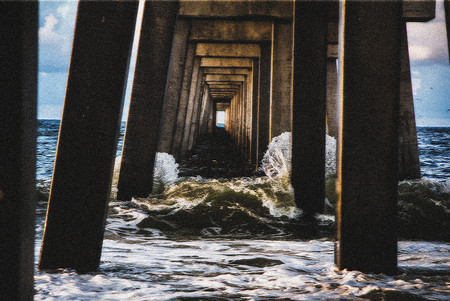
[(248, 117), (198, 100), (280, 113), (240, 117), (243, 118), (264, 101), (332, 79), (147, 99), (214, 119), (255, 113), (194, 81), (183, 110), (18, 98), (203, 118), (88, 136), (227, 119), (408, 164), (174, 84), (308, 105), (368, 146)]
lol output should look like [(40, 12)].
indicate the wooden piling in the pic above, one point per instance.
[(281, 78), (368, 146), (264, 101), (18, 99), (408, 151), (309, 105), (147, 99), (88, 135), (172, 101)]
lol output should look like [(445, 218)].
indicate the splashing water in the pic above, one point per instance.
[(276, 163), (204, 239), (165, 173)]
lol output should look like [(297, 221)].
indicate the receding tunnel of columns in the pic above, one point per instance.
[(271, 66)]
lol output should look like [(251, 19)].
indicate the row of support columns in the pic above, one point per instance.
[(270, 75)]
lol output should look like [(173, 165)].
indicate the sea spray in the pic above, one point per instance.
[(165, 173), (264, 206), (276, 162), (241, 206)]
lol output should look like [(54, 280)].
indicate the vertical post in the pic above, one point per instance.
[(191, 106), (332, 80), (255, 113), (147, 99), (409, 164), (183, 109), (214, 118), (174, 84), (308, 105), (18, 98), (264, 101), (88, 135), (280, 108), (368, 146), (198, 100)]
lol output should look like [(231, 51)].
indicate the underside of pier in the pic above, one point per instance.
[(307, 67)]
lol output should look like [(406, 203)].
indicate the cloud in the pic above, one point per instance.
[(428, 41), (57, 21), (49, 37), (415, 85)]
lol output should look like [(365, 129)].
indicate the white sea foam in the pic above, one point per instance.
[(276, 162), (137, 267), (165, 172)]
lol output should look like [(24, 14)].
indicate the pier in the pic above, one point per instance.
[(306, 67)]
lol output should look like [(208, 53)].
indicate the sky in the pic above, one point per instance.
[(430, 72)]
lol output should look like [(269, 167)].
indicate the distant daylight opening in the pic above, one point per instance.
[(220, 117)]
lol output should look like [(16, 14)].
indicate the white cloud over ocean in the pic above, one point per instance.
[(56, 24), (428, 41)]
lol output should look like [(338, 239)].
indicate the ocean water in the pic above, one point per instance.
[(239, 239)]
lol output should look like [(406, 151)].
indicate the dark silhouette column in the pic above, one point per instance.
[(308, 106), (88, 135), (408, 156), (147, 99), (332, 124), (18, 98), (368, 149)]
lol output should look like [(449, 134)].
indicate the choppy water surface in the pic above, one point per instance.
[(240, 239)]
